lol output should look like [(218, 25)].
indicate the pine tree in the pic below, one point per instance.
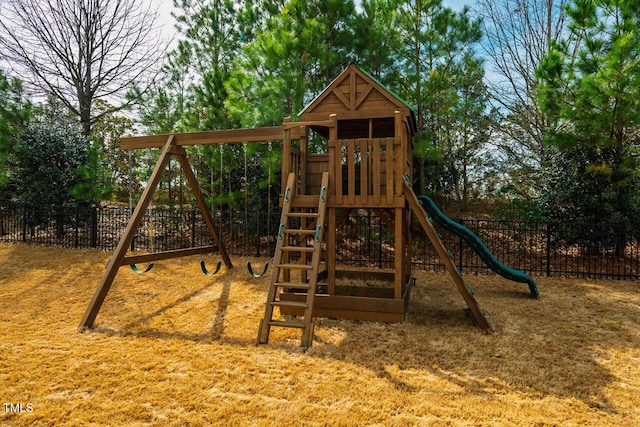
[(437, 41), (591, 95)]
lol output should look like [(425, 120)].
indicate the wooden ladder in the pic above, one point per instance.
[(300, 232)]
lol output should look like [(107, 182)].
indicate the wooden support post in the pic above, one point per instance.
[(116, 260), (335, 162), (304, 151), (335, 173), (399, 253), (408, 241), (331, 251), (286, 152)]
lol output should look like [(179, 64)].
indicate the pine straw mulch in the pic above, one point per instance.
[(173, 347)]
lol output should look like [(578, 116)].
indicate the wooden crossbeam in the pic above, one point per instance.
[(177, 253), (227, 136)]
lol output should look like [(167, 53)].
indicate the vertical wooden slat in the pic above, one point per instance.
[(352, 92), (377, 170), (388, 166), (400, 160), (335, 188), (406, 135), (364, 170), (372, 170), (331, 146), (351, 170)]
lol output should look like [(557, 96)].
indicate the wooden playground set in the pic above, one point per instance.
[(368, 166)]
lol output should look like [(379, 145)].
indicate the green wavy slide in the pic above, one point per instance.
[(477, 245)]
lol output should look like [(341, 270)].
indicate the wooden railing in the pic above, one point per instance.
[(363, 172)]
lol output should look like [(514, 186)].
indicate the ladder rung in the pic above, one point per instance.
[(287, 323), (294, 285), (298, 248), (299, 231), (289, 304), (295, 266), (303, 214)]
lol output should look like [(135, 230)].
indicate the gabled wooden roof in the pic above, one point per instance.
[(355, 94)]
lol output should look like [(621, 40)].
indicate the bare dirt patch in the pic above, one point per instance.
[(174, 347)]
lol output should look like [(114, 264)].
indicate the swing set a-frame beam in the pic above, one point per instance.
[(119, 258), (227, 136)]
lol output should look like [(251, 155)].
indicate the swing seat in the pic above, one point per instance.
[(136, 269), (206, 272), (254, 274)]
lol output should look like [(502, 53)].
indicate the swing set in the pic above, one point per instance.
[(367, 166), (203, 266), (173, 146)]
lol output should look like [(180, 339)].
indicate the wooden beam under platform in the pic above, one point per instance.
[(353, 307)]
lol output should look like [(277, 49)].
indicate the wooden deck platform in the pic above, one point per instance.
[(368, 303)]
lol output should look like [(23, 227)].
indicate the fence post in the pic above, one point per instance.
[(94, 226), (548, 249), (76, 231), (460, 246), (193, 227), (24, 222), (258, 236), (133, 240)]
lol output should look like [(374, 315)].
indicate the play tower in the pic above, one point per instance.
[(367, 131)]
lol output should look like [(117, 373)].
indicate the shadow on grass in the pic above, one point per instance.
[(556, 346)]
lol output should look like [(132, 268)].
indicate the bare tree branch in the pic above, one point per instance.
[(518, 34), (80, 51)]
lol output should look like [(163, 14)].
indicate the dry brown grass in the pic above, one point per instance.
[(173, 347)]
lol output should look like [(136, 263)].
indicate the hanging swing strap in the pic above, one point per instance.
[(252, 272)]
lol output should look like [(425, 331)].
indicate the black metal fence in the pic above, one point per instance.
[(365, 240)]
